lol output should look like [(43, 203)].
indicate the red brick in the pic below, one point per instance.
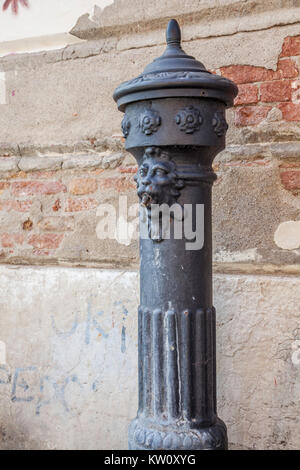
[(19, 175), (290, 111), (15, 205), (9, 240), (45, 241), (248, 94), (246, 73), (3, 186), (240, 74), (76, 205), (289, 165), (128, 169), (286, 68), (290, 179), (250, 115), (24, 188), (291, 46), (280, 90), (121, 184), (83, 186)]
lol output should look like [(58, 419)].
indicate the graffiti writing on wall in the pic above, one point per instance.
[(31, 385)]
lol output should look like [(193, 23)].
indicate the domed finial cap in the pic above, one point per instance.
[(173, 33), (175, 73)]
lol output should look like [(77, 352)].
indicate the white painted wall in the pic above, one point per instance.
[(68, 358), (44, 25)]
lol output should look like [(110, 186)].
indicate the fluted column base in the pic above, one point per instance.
[(147, 435), (177, 386)]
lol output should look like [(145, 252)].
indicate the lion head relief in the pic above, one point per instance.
[(157, 184), (157, 179)]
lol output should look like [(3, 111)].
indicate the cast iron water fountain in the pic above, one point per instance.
[(175, 125)]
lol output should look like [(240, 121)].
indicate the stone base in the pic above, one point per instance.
[(144, 435)]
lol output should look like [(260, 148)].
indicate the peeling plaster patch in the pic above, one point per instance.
[(90, 20), (287, 235), (224, 256), (2, 88)]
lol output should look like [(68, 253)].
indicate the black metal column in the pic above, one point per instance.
[(174, 125)]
